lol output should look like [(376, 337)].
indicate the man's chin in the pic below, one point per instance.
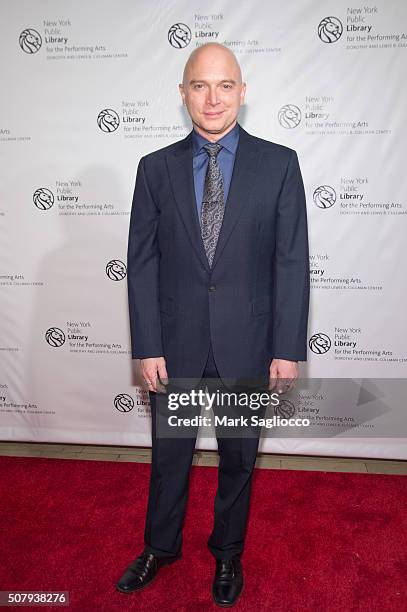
[(214, 130), (214, 126)]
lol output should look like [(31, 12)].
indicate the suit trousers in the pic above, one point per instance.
[(169, 484)]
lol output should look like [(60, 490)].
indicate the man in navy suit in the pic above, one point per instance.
[(218, 282)]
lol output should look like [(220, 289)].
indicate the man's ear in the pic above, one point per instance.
[(242, 93), (181, 90)]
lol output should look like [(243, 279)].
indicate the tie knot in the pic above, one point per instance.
[(212, 149)]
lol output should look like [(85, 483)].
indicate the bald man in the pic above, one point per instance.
[(218, 287)]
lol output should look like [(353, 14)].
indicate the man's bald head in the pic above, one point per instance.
[(210, 51), (212, 90)]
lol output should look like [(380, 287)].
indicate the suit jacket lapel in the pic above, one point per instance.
[(241, 185), (180, 169)]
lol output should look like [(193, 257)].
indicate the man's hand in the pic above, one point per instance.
[(283, 375), (150, 368)]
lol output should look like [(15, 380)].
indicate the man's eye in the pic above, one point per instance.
[(198, 86), (227, 85)]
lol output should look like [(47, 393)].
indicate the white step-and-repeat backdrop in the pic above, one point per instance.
[(87, 89)]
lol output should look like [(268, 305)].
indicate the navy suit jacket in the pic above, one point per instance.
[(253, 304)]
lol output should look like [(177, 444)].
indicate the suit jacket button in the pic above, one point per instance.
[(212, 288)]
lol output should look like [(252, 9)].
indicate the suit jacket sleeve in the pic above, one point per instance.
[(291, 283), (143, 259)]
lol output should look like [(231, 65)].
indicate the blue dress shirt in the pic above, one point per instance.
[(226, 160)]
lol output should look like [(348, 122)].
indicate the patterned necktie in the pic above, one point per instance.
[(213, 205)]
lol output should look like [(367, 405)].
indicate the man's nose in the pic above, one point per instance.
[(212, 96)]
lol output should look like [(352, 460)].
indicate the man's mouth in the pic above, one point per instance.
[(218, 114)]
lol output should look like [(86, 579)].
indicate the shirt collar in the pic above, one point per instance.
[(229, 141)]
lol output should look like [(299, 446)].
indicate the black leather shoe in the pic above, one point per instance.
[(142, 571), (228, 582)]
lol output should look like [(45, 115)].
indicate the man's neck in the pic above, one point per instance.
[(214, 137)]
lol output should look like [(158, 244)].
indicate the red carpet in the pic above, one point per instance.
[(330, 542)]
